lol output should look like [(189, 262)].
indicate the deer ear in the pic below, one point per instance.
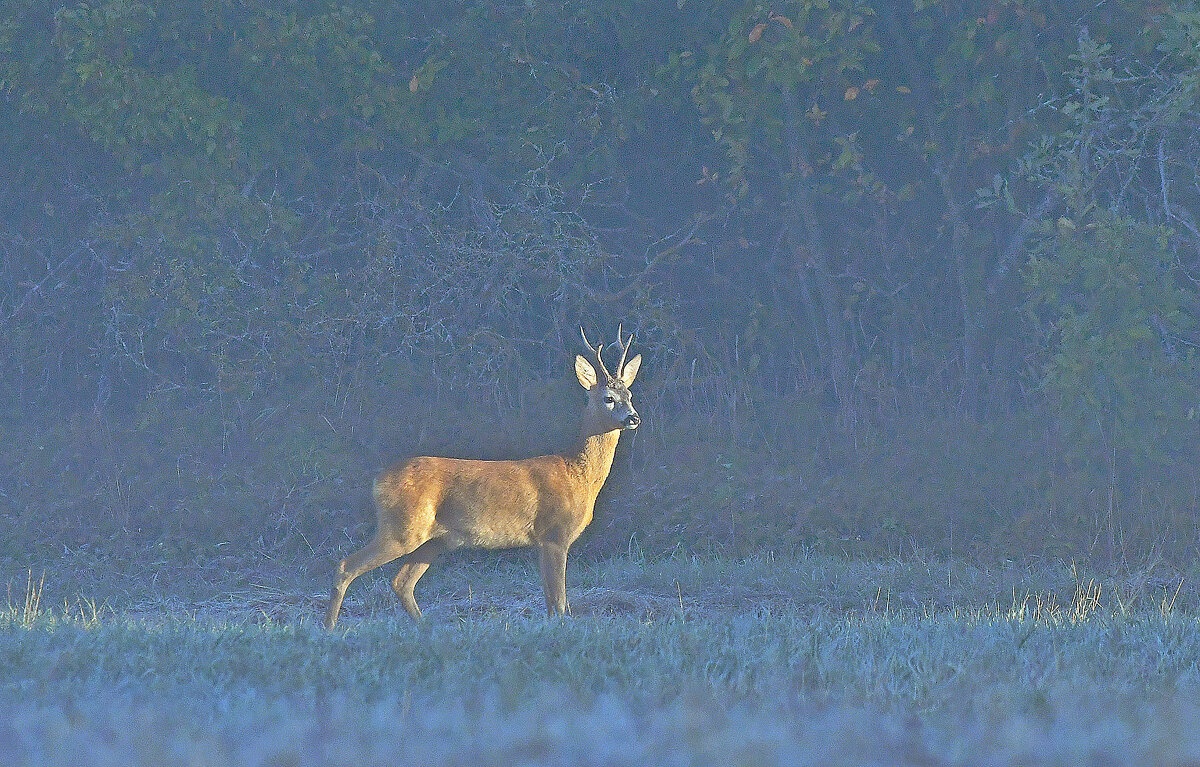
[(630, 371), (585, 372)]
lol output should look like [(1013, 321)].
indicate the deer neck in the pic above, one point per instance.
[(594, 456)]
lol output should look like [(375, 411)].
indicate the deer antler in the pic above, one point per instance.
[(596, 350), (624, 349)]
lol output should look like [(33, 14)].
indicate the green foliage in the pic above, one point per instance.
[(1119, 379), (779, 89)]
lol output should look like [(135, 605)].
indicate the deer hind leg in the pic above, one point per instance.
[(378, 552), (554, 578), (413, 567)]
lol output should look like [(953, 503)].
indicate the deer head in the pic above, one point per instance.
[(609, 401)]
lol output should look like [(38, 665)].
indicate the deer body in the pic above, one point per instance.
[(428, 505)]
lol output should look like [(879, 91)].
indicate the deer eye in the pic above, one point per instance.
[(610, 399)]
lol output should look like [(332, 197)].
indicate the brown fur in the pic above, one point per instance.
[(427, 505)]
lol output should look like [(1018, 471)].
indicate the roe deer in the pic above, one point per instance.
[(426, 506)]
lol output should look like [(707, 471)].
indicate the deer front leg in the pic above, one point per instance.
[(554, 578), (378, 552)]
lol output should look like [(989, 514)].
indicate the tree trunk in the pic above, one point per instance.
[(813, 256), (812, 267)]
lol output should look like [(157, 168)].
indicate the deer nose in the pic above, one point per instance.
[(632, 420)]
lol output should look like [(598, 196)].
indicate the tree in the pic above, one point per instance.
[(1119, 379), (783, 88)]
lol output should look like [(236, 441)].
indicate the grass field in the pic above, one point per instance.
[(801, 660)]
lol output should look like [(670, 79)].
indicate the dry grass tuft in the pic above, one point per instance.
[(28, 609)]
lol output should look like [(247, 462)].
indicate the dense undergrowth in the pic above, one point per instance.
[(292, 477)]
